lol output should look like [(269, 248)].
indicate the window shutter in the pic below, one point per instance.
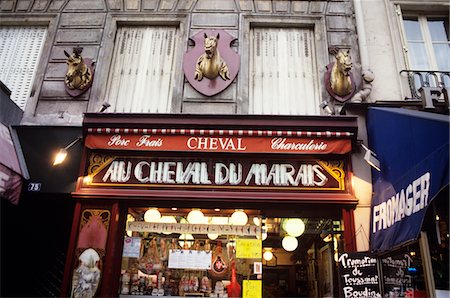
[(142, 69), (283, 75), (20, 49)]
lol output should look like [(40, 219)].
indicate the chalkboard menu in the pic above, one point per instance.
[(396, 278), (359, 275)]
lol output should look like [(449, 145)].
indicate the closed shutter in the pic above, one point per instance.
[(20, 49), (283, 75), (142, 70)]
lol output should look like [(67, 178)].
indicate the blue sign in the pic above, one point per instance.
[(413, 150)]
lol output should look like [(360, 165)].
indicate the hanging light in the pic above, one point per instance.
[(289, 243), (294, 226), (257, 221), (196, 217), (186, 238), (239, 218), (152, 215), (213, 236), (268, 255)]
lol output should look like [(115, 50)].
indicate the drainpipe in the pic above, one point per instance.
[(364, 55)]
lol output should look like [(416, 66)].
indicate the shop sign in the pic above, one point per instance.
[(186, 228), (252, 288), (190, 259), (248, 248), (396, 276), (359, 275), (232, 144), (132, 247), (220, 173)]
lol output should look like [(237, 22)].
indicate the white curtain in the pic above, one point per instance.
[(283, 74), (141, 77), (20, 49)]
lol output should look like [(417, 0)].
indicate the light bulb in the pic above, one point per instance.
[(60, 157), (239, 218), (289, 243), (294, 227), (152, 215), (196, 217), (268, 255)]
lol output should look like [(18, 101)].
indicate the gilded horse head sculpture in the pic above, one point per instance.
[(79, 75), (340, 80), (210, 64)]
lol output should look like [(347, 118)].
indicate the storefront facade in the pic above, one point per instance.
[(272, 168)]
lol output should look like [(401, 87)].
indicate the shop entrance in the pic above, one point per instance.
[(222, 252), (299, 257)]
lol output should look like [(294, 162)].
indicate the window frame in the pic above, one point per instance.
[(426, 35), (25, 20), (105, 62), (248, 21)]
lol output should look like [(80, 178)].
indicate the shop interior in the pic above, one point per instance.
[(284, 257)]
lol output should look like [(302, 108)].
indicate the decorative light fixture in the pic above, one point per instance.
[(186, 240), (268, 255), (326, 107), (239, 218), (257, 221), (289, 243), (152, 215), (213, 236), (294, 226), (62, 153), (371, 158), (87, 179), (196, 217)]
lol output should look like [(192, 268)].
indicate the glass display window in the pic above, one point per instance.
[(191, 252)]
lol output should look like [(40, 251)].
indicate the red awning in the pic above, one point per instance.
[(10, 172)]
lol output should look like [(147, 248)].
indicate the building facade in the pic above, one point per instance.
[(271, 134)]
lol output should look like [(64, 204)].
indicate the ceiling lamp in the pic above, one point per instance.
[(196, 217), (239, 218), (257, 221), (152, 215), (213, 236), (294, 227), (289, 243), (268, 255), (186, 239)]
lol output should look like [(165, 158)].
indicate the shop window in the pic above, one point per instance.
[(207, 253), (427, 48), (20, 50), (141, 77), (428, 42), (283, 75)]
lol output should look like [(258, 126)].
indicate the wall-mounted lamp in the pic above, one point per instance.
[(326, 107), (371, 158), (105, 105), (62, 153)]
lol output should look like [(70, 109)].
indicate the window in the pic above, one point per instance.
[(20, 49), (283, 74), (141, 79), (428, 43)]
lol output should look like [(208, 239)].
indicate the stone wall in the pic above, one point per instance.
[(92, 23)]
